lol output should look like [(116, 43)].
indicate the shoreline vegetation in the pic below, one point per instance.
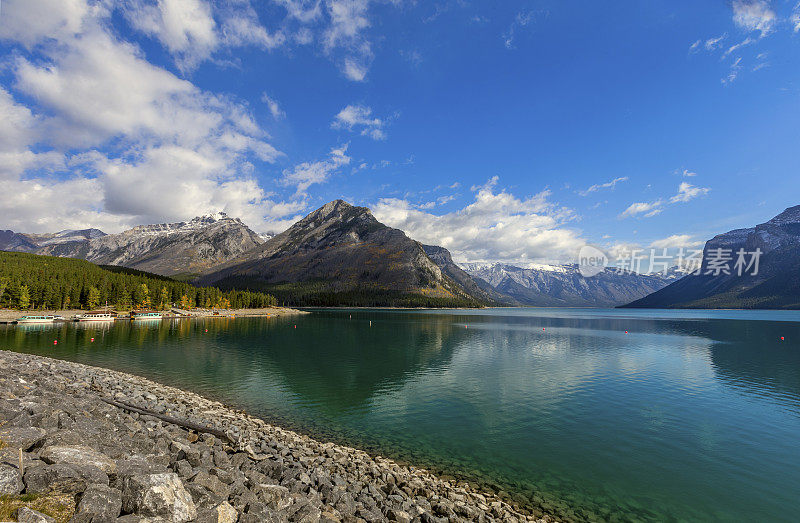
[(69, 315), (65, 449)]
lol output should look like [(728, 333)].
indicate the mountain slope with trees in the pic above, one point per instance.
[(47, 282)]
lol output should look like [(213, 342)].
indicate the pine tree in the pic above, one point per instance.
[(24, 297), (93, 298), (165, 298)]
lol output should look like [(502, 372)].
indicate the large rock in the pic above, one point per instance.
[(158, 495), (26, 515), (78, 455), (62, 477), (10, 481), (222, 513), (99, 504), (21, 437)]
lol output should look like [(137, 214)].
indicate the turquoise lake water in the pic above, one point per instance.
[(690, 415)]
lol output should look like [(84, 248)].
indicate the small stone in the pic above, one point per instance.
[(78, 455), (26, 515), (158, 495)]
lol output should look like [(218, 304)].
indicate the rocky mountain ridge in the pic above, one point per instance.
[(564, 285), (339, 249), (167, 249), (775, 285)]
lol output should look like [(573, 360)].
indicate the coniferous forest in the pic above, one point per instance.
[(30, 281)]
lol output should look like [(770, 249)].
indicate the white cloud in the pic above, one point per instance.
[(186, 28), (496, 226), (676, 241), (608, 185), (688, 173), (274, 107), (140, 144), (732, 49), (649, 209), (686, 192), (710, 44), (303, 175), (795, 18), (359, 118), (521, 20), (754, 15), (31, 22), (355, 70)]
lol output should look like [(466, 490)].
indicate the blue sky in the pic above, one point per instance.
[(511, 131)]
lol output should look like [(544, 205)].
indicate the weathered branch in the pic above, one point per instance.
[(169, 419)]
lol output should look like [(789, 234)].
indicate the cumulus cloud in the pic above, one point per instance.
[(359, 118), (306, 174), (496, 226), (128, 141), (608, 185), (192, 30), (754, 15), (686, 192)]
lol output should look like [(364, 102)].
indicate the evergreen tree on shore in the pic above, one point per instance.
[(45, 282)]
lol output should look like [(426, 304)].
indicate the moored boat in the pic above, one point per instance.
[(36, 318), (97, 316), (145, 315)]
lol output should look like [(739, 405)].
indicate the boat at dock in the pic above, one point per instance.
[(97, 316), (145, 315), (36, 318)]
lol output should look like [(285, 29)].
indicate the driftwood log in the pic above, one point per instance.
[(172, 420)]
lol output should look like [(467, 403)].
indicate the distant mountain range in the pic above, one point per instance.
[(166, 249), (564, 285), (341, 255), (776, 286)]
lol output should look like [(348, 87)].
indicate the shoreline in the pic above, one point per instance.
[(9, 315), (278, 472)]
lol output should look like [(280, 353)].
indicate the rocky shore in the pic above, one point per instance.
[(67, 454)]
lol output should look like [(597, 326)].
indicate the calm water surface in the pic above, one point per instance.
[(691, 415)]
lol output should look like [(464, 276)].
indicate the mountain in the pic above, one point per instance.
[(775, 286), (64, 237), (475, 286), (340, 254), (165, 249), (14, 241), (564, 285)]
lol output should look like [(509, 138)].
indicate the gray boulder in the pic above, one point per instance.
[(99, 504), (78, 455), (10, 481), (222, 513), (21, 437), (158, 495), (26, 515), (71, 479)]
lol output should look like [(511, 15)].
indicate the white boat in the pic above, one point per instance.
[(97, 316), (31, 318), (145, 315)]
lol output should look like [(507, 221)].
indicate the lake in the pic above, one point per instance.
[(592, 414)]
